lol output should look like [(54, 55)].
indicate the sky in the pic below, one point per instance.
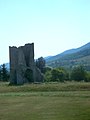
[(53, 25)]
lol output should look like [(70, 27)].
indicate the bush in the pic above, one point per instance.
[(87, 77), (78, 74), (56, 75)]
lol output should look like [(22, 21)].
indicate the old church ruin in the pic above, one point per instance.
[(22, 65)]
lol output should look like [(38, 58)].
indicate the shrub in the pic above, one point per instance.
[(78, 74)]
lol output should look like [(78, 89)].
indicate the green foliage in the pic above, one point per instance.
[(47, 68), (78, 73), (4, 74), (56, 75), (40, 63), (72, 60), (87, 77), (60, 74), (48, 76), (0, 75), (29, 75)]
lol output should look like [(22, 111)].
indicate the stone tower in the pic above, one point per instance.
[(22, 65)]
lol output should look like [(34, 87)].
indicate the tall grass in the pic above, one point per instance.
[(68, 86)]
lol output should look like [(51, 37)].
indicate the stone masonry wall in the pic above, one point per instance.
[(22, 65)]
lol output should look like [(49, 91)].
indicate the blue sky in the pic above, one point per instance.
[(53, 25)]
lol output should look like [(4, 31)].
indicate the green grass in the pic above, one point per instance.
[(66, 101), (67, 86)]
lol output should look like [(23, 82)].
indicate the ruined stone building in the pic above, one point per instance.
[(22, 65)]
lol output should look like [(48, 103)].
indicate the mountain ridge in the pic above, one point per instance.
[(70, 51), (71, 58)]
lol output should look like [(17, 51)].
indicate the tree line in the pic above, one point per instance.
[(53, 74), (60, 74)]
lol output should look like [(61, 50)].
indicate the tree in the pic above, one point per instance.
[(40, 63), (48, 75), (78, 73), (4, 73), (58, 75), (0, 75), (87, 77)]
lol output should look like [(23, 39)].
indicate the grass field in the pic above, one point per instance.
[(56, 101)]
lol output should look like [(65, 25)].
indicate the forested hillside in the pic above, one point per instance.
[(72, 58)]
